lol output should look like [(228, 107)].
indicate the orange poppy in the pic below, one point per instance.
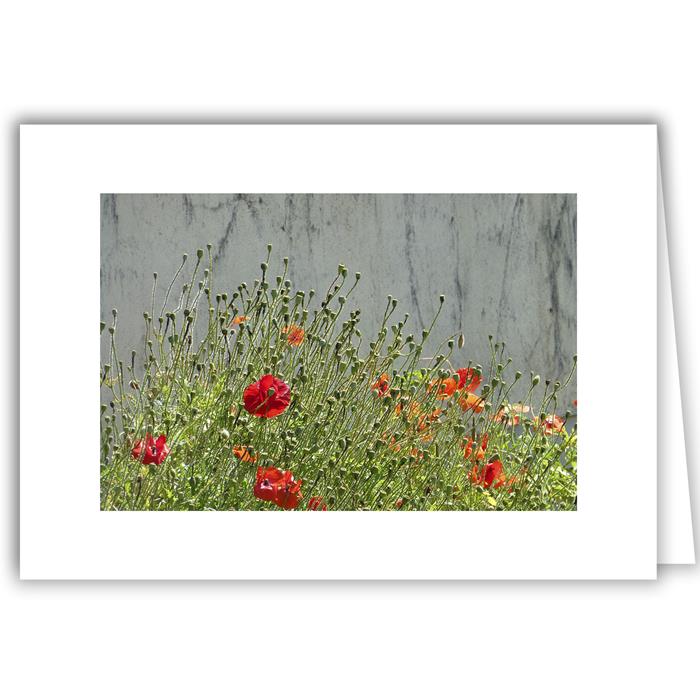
[(381, 386), (425, 419), (391, 442), (447, 387), (295, 334), (411, 410), (480, 453), (471, 375), (551, 424), (471, 402), (238, 320), (243, 454), (510, 415)]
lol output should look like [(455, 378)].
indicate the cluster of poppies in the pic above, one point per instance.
[(270, 396), (463, 384), (267, 398)]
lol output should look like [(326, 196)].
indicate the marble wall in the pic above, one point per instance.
[(506, 262)]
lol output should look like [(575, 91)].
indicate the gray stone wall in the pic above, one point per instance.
[(506, 262)]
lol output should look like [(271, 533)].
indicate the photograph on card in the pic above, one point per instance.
[(338, 352)]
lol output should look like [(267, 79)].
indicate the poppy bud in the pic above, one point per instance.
[(518, 374), (451, 344), (269, 247), (312, 293), (536, 380), (442, 298), (263, 266), (426, 333), (102, 326), (184, 257), (225, 433), (110, 330)]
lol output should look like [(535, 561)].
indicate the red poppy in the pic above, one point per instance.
[(381, 386), (481, 452), (272, 484), (150, 451), (469, 378), (267, 398), (316, 503), (295, 334), (490, 475)]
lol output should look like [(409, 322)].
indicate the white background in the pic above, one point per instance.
[(534, 61)]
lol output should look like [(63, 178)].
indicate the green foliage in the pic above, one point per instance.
[(350, 443)]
